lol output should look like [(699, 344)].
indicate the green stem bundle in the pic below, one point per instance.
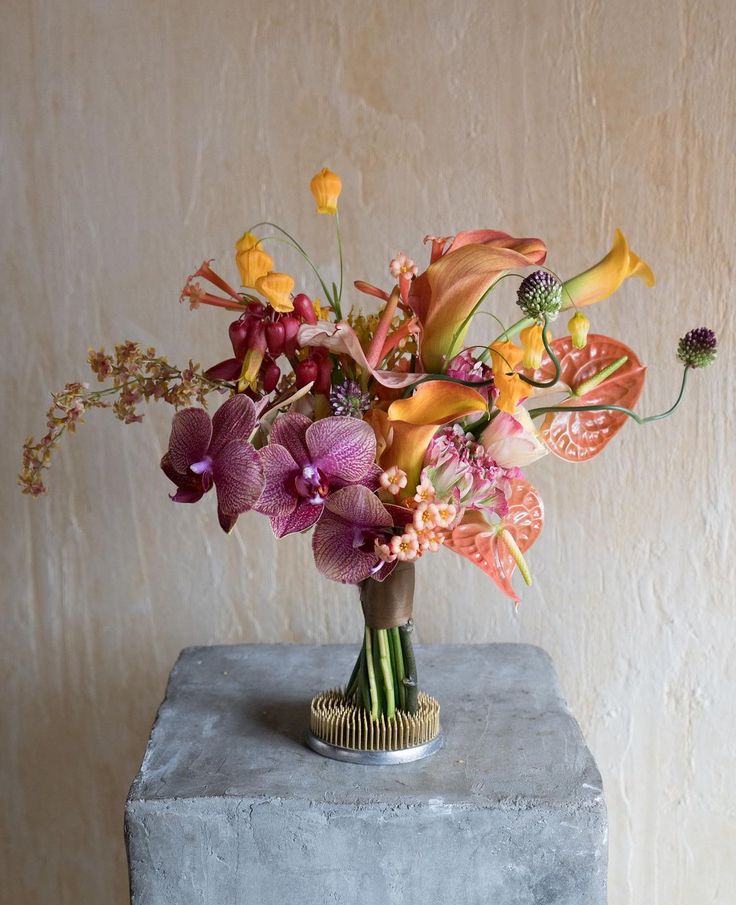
[(384, 678)]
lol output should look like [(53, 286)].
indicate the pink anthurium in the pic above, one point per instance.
[(498, 548), (578, 436), (445, 296)]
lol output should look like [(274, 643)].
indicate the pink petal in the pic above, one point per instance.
[(302, 518), (335, 551), (191, 431), (342, 339), (279, 496), (357, 505), (234, 420), (238, 477), (343, 447), (288, 430)]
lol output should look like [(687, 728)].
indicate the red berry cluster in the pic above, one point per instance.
[(272, 335)]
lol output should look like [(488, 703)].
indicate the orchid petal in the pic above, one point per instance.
[(344, 447), (238, 476), (359, 506), (341, 339), (289, 430), (191, 431), (227, 521), (301, 519), (604, 278), (335, 553), (446, 294), (234, 420), (279, 470)]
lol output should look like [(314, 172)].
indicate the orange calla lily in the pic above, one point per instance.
[(505, 356), (605, 277), (578, 436), (446, 294), (415, 421), (484, 544)]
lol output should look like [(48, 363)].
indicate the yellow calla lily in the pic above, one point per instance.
[(505, 356), (446, 294), (604, 278), (415, 421)]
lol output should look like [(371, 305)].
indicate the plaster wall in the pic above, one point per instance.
[(139, 138)]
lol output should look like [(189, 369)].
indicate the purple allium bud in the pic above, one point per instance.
[(698, 348), (349, 399), (540, 293)]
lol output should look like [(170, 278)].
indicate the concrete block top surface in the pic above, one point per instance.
[(234, 717)]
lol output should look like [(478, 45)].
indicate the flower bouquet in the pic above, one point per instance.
[(380, 429)]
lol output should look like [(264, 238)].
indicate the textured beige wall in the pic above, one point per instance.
[(138, 138)]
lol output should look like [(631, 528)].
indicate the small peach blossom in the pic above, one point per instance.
[(444, 514), (394, 480), (431, 540), (406, 546), (425, 492), (383, 552), (402, 264), (424, 517)]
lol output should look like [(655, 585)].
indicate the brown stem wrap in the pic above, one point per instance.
[(389, 603)]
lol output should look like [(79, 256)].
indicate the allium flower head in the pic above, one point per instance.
[(349, 399), (540, 294), (698, 348)]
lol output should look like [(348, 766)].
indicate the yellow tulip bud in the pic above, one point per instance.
[(531, 341), (326, 187), (578, 325), (277, 287), (253, 262)]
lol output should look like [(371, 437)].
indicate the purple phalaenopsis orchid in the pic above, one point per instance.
[(204, 451), (305, 462), (345, 538)]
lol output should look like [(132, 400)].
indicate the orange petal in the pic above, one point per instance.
[(415, 421), (478, 541), (444, 296), (578, 436)]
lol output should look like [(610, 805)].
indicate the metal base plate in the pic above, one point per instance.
[(375, 758)]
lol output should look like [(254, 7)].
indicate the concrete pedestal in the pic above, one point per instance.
[(230, 807)]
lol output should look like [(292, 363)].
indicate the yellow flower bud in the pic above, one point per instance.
[(253, 262), (578, 325), (326, 187), (531, 341), (277, 287)]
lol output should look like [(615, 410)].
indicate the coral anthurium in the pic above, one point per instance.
[(604, 278), (497, 548), (579, 435)]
